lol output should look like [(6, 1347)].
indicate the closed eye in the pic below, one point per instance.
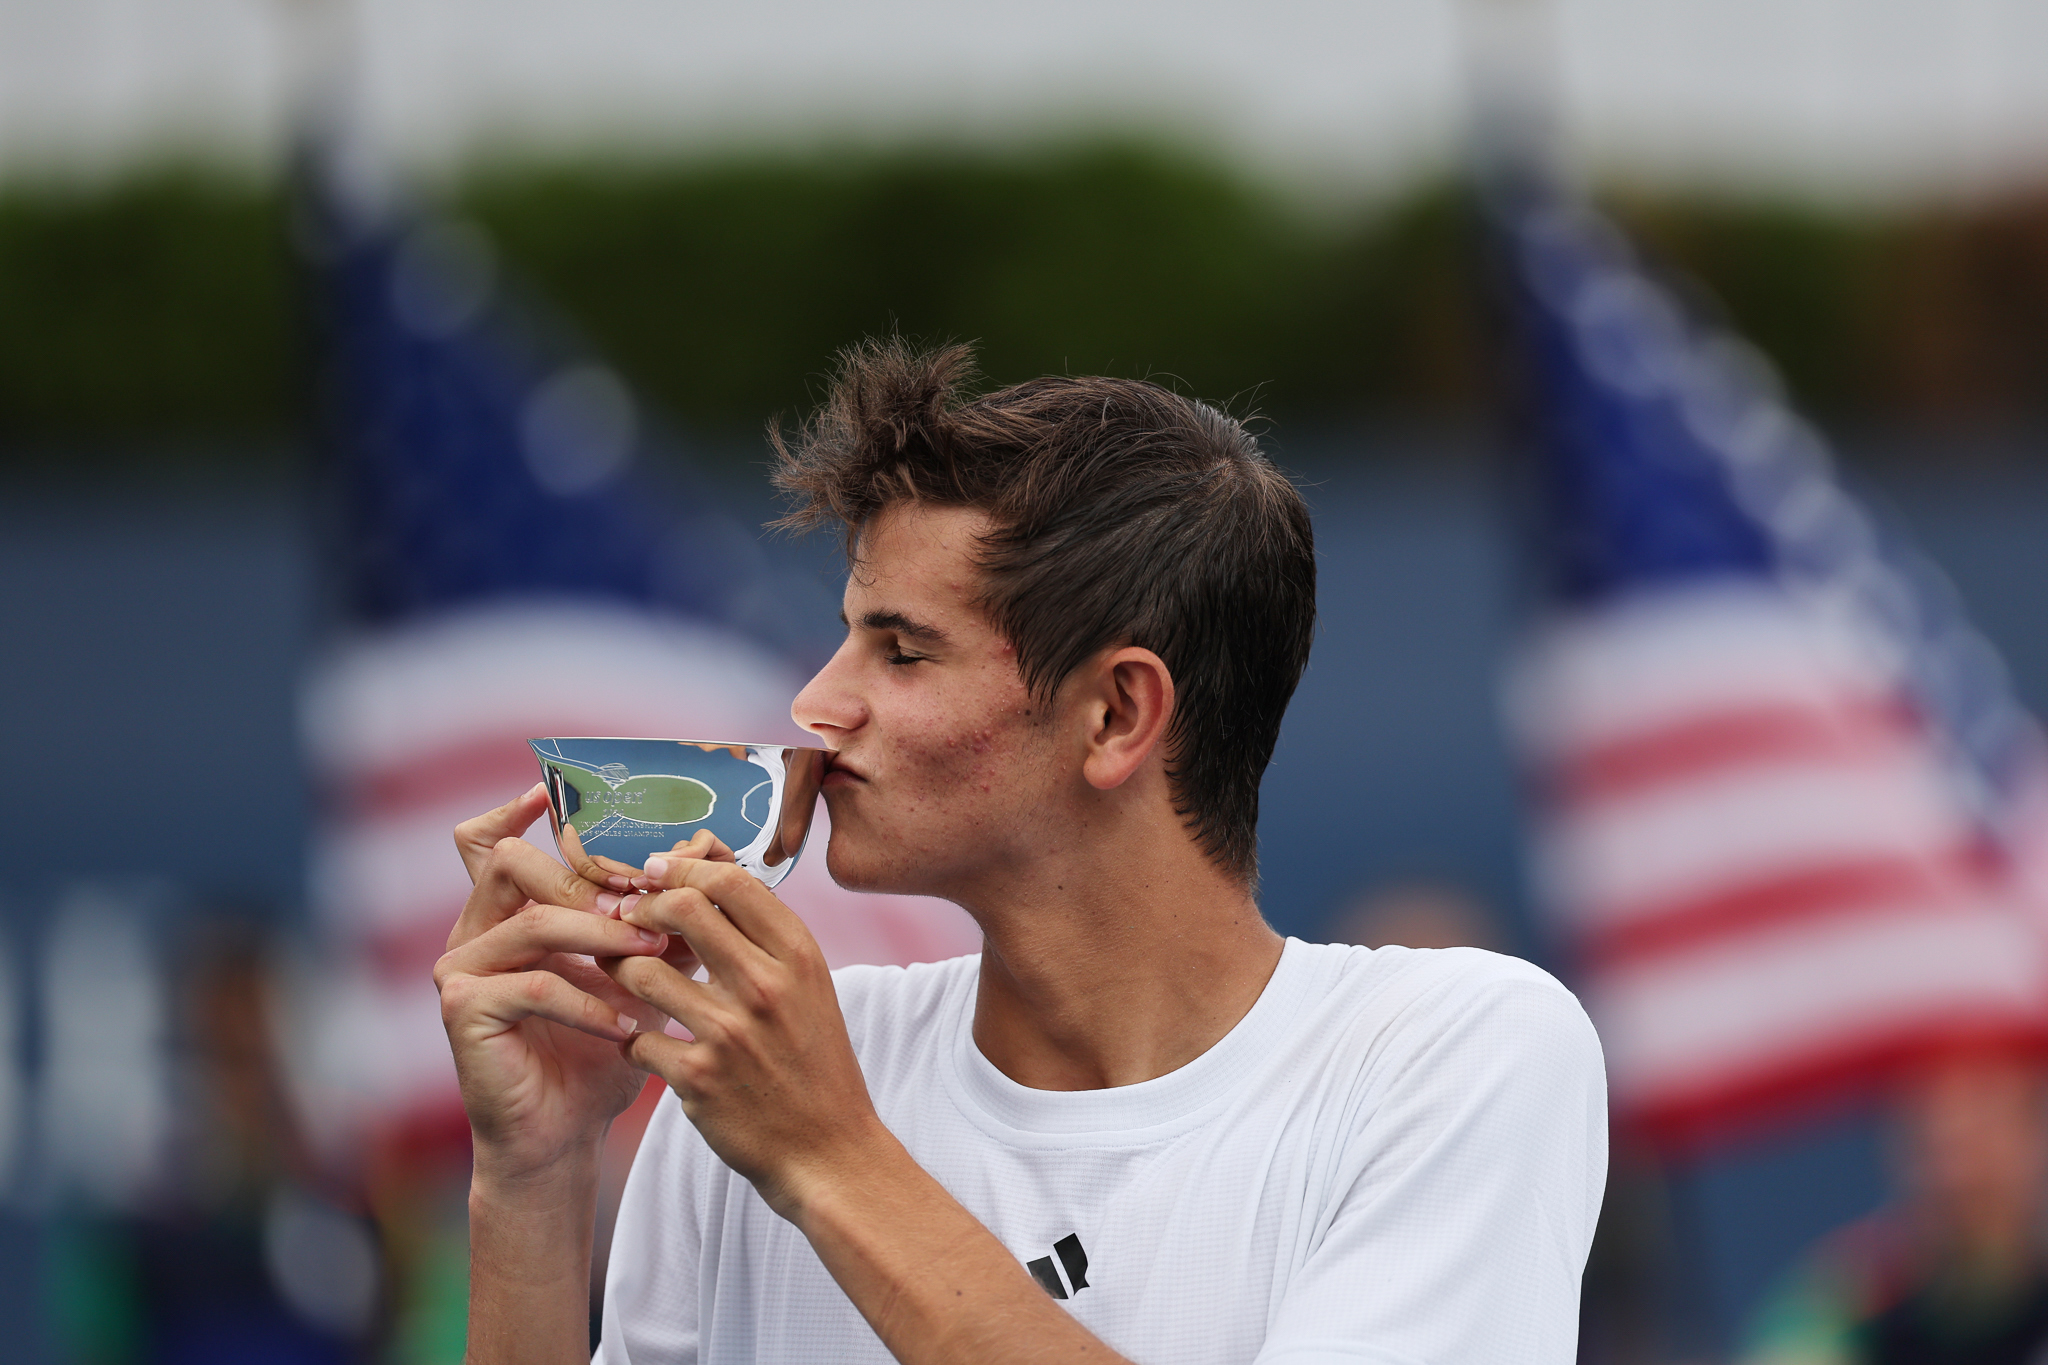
[(894, 627)]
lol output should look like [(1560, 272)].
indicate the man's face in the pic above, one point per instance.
[(944, 765)]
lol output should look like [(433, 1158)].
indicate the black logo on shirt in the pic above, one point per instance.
[(1075, 1261)]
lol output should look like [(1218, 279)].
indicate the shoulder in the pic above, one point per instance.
[(1481, 1064), (1454, 1005), (1433, 981)]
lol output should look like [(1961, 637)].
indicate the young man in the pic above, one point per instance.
[(1138, 1125)]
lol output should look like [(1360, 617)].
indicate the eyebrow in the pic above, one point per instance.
[(908, 627)]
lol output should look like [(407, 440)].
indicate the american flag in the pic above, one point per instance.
[(512, 553), (1789, 821)]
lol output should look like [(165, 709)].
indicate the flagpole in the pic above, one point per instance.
[(1513, 92), (326, 121)]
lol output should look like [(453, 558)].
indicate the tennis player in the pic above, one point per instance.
[(1139, 1125)]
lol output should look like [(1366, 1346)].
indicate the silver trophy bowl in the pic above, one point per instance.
[(621, 801)]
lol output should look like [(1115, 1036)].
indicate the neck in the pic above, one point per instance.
[(1118, 964)]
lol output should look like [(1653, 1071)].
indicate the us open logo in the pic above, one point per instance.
[(1072, 1259)]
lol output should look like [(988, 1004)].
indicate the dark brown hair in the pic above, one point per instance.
[(1124, 514)]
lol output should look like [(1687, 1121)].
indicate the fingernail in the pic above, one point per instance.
[(535, 790), (607, 902), (628, 1023), (618, 883), (649, 936), (629, 905), (657, 868)]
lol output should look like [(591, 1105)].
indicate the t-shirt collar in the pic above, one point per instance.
[(1146, 1111)]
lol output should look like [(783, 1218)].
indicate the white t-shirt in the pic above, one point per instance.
[(1396, 1157)]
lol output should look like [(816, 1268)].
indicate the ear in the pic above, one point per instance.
[(1128, 703)]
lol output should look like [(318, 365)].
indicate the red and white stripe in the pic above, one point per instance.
[(1759, 858), (412, 730)]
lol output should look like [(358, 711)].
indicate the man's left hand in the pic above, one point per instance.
[(768, 1075)]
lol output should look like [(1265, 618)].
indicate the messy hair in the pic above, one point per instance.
[(1122, 514)]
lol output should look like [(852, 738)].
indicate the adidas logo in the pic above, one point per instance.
[(1072, 1259)]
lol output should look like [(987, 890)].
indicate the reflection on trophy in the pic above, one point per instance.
[(622, 801)]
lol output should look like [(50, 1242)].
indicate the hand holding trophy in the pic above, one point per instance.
[(533, 1016)]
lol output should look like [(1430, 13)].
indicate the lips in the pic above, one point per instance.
[(840, 773)]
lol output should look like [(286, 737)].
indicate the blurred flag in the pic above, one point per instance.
[(507, 558), (1791, 821)]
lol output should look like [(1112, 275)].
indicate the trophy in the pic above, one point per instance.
[(625, 800)]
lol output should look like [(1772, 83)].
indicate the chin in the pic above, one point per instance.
[(852, 869), (857, 864)]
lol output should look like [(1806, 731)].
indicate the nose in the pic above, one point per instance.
[(830, 706)]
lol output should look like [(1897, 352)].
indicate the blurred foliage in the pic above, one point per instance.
[(1932, 317), (724, 290), (160, 312)]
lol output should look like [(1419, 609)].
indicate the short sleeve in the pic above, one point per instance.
[(651, 1280), (1468, 1193)]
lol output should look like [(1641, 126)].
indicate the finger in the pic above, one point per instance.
[(478, 835), (678, 954), (748, 905), (656, 1053), (593, 868), (538, 930), (692, 916), (587, 976), (613, 873), (703, 845), (596, 868), (516, 873), (475, 1007), (706, 845), (655, 983)]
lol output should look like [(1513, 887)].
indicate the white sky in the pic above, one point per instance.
[(1822, 96)]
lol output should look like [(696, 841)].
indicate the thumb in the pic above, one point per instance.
[(478, 835)]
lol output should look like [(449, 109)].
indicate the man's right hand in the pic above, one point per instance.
[(534, 1024)]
